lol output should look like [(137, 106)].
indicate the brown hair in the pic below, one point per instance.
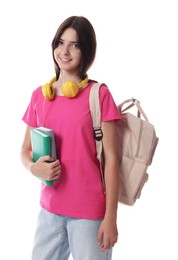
[(86, 40)]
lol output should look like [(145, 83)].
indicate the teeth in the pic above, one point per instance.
[(64, 59)]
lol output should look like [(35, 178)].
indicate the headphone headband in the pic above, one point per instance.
[(84, 82)]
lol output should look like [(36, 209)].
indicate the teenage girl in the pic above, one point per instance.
[(77, 216)]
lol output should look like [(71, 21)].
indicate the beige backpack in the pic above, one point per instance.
[(137, 142)]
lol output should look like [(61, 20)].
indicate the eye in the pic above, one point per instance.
[(60, 42), (75, 45)]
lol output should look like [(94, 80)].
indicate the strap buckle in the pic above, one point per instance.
[(98, 134)]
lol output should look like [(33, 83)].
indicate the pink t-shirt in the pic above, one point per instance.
[(79, 190)]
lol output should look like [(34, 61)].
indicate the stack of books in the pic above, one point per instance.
[(43, 143)]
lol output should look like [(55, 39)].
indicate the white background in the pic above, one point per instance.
[(137, 57)]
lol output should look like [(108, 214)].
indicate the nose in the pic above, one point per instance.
[(65, 49)]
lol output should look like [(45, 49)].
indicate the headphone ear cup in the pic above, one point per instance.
[(70, 89), (48, 91)]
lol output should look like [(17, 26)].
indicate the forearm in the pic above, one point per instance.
[(26, 158), (108, 230), (112, 187), (26, 153)]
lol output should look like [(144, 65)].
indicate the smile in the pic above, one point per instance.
[(65, 60)]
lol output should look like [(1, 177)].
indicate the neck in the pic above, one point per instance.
[(65, 77)]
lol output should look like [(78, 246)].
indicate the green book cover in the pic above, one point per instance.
[(50, 132), (41, 146)]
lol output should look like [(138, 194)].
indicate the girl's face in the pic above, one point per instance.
[(67, 54)]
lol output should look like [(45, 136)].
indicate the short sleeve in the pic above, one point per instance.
[(109, 110), (30, 115)]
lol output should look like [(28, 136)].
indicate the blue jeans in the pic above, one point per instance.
[(58, 236)]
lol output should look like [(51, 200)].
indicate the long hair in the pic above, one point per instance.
[(86, 41)]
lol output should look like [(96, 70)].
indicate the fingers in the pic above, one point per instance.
[(107, 245), (105, 242), (100, 238), (50, 168), (54, 170), (46, 158)]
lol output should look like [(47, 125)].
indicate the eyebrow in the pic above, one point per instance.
[(70, 41)]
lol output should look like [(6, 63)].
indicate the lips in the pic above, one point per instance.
[(65, 60)]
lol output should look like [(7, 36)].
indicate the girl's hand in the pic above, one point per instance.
[(108, 234), (46, 168)]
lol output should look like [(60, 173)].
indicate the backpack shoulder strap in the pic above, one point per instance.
[(94, 103)]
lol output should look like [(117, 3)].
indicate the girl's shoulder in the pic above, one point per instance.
[(37, 93), (104, 89)]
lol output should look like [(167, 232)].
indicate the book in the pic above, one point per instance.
[(50, 132), (43, 143)]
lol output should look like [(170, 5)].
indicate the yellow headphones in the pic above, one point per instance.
[(69, 89)]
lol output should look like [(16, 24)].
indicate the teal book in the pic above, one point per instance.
[(50, 132), (43, 143)]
